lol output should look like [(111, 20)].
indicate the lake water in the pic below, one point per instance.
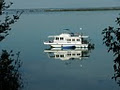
[(40, 72), (63, 3)]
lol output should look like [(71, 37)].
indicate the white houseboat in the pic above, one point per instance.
[(68, 40)]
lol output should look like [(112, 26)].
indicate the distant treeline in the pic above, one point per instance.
[(64, 9)]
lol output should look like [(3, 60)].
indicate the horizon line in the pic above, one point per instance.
[(66, 9)]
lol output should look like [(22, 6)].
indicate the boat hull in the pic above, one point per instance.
[(65, 45)]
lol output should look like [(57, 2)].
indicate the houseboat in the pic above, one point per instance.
[(68, 40)]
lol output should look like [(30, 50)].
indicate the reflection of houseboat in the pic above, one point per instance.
[(68, 40), (67, 54)]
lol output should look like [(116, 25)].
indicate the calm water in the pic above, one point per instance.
[(40, 72), (63, 3)]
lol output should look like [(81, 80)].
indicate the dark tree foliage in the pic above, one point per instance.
[(5, 26), (111, 38), (10, 77), (4, 6), (1, 6)]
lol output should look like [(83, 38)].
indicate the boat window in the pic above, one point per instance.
[(69, 54), (73, 54), (78, 54), (73, 39), (68, 39), (78, 39), (57, 38), (61, 38), (57, 55), (61, 55)]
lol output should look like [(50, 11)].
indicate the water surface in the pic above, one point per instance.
[(43, 73), (64, 3)]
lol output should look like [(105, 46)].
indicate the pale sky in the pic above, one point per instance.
[(63, 3)]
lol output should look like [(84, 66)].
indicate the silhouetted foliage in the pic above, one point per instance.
[(111, 38), (1, 3), (5, 26), (4, 6), (10, 77)]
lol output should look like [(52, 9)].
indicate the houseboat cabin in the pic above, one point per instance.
[(68, 40)]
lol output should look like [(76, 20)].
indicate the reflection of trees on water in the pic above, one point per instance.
[(10, 77), (112, 40)]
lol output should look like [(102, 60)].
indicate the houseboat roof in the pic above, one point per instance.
[(69, 35)]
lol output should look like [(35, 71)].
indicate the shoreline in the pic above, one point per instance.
[(66, 9)]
